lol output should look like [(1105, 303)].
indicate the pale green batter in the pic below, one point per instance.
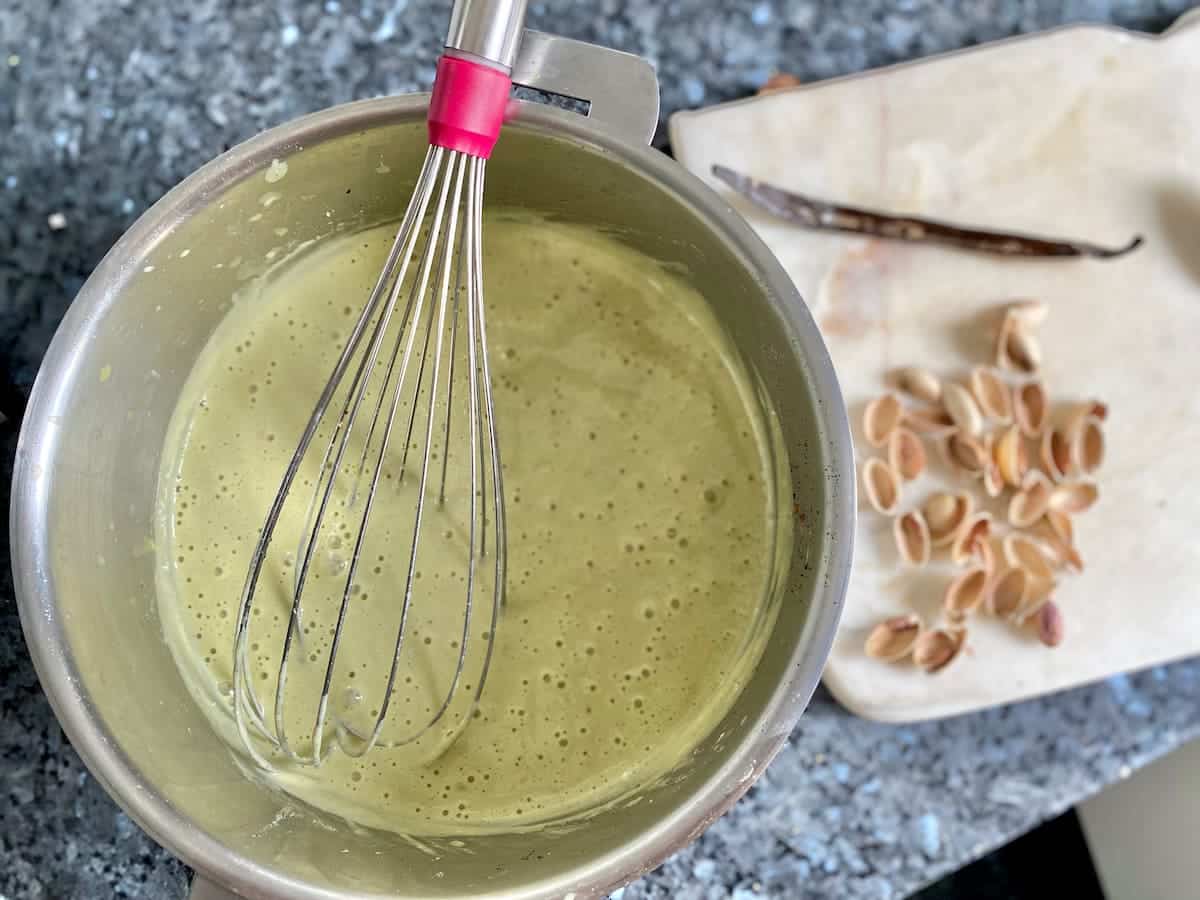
[(642, 509)]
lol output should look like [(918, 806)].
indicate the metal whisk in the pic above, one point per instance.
[(397, 376)]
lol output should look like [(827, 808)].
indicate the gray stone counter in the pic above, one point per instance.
[(104, 104)]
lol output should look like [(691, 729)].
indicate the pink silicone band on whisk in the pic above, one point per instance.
[(467, 107)]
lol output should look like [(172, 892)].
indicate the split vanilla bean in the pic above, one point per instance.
[(823, 216)]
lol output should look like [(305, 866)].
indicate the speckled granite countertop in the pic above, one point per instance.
[(104, 104)]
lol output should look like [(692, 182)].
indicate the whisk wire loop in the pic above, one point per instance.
[(449, 266)]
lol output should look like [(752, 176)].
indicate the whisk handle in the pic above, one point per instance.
[(473, 80), (489, 30)]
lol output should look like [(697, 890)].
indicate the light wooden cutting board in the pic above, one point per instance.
[(1087, 132)]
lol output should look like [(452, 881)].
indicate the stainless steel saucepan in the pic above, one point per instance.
[(84, 489)]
